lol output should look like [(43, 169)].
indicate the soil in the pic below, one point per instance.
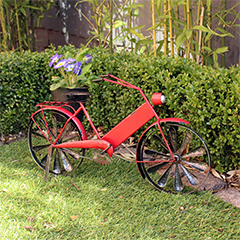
[(218, 187)]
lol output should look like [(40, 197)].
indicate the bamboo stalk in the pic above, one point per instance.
[(170, 27), (32, 28), (111, 25), (192, 37), (154, 31), (188, 27), (130, 25), (199, 7), (177, 17), (210, 23), (165, 29), (18, 27), (3, 27), (185, 19), (223, 59), (27, 33), (200, 36)]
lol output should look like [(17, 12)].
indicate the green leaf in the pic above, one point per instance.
[(207, 49), (189, 33), (180, 39), (202, 28), (221, 50), (57, 85), (143, 48), (145, 41), (209, 3), (137, 34), (56, 79), (67, 55), (82, 54), (86, 69), (225, 32)]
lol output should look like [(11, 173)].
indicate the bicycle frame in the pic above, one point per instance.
[(119, 133)]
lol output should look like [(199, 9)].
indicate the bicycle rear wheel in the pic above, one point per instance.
[(191, 164), (44, 127)]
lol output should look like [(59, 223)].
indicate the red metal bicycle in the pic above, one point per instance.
[(169, 154)]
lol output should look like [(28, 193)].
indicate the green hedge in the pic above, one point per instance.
[(206, 97)]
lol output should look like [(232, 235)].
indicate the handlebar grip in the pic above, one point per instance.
[(102, 76)]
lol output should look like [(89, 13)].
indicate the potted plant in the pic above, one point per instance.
[(73, 79)]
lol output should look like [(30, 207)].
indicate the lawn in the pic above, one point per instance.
[(114, 202)]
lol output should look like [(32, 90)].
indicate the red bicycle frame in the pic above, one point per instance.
[(120, 132)]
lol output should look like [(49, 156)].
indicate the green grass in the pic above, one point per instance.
[(114, 202)]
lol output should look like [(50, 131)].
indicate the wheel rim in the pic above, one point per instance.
[(40, 135), (191, 164)]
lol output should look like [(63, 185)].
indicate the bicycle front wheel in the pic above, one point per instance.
[(44, 127), (188, 170)]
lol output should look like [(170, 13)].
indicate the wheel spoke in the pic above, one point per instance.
[(164, 178), (172, 136), (40, 147), (200, 166), (43, 127), (156, 167), (57, 164), (70, 138), (197, 152), (44, 159), (153, 152), (190, 176), (66, 129), (178, 185), (39, 134), (187, 139), (72, 153), (54, 123), (163, 144), (66, 164)]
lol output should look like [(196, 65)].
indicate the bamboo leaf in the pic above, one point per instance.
[(221, 50), (189, 33), (145, 41), (207, 49), (138, 27), (181, 38), (209, 35), (202, 28), (137, 34), (209, 3), (143, 48), (118, 24), (225, 32)]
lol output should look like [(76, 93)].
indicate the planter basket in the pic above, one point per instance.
[(72, 96)]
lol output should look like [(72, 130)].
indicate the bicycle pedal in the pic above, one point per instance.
[(101, 159)]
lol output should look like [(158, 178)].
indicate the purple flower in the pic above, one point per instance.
[(54, 59), (77, 70), (70, 60), (61, 63), (88, 58), (69, 67)]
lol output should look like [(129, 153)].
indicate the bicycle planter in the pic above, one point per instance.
[(169, 154)]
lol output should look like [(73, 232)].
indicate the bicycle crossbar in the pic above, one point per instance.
[(96, 144)]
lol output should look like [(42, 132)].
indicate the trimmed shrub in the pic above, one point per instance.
[(207, 97)]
